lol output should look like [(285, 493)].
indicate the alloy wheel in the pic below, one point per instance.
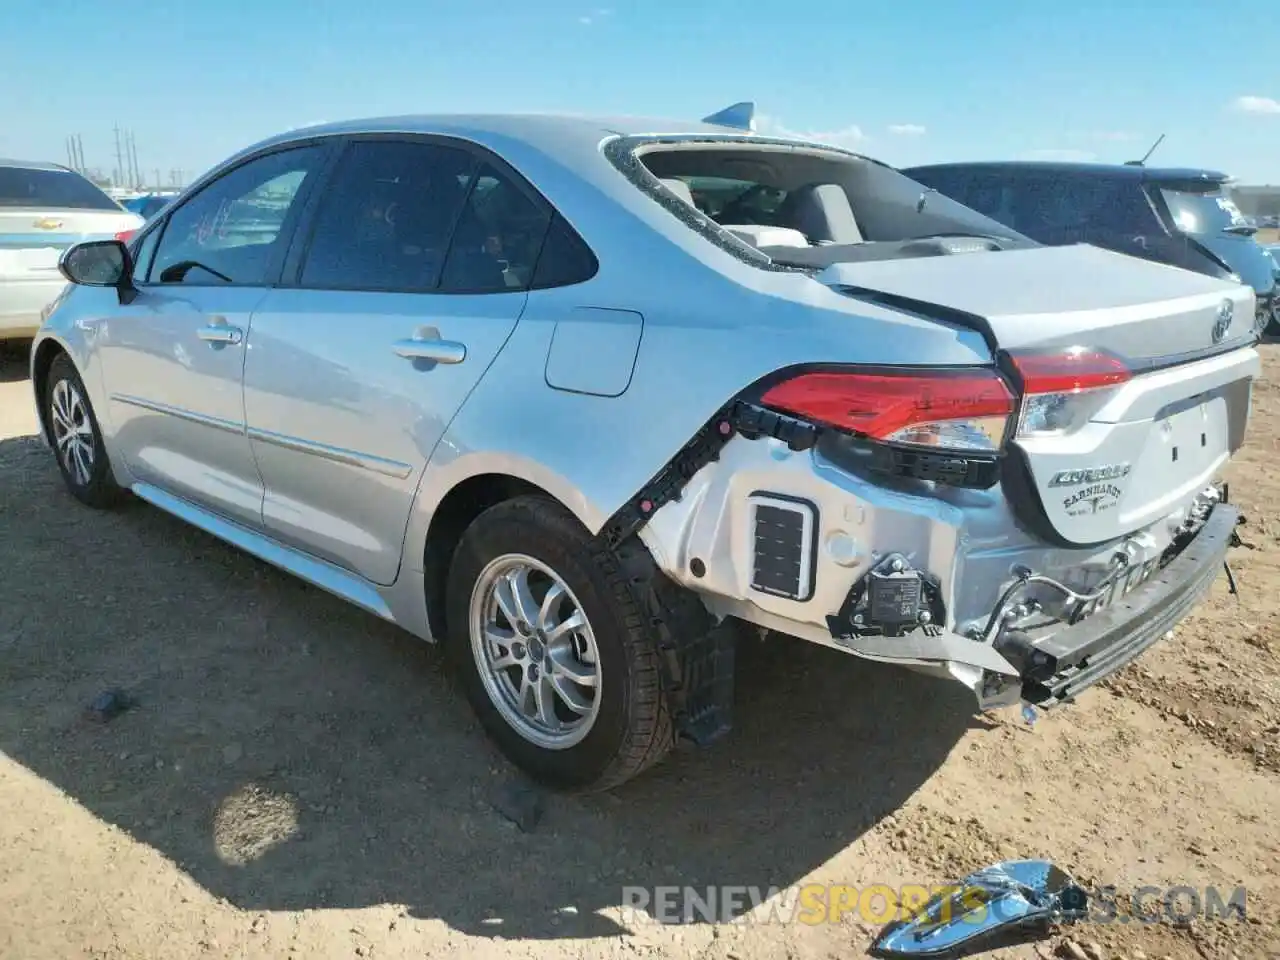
[(72, 431), (535, 651)]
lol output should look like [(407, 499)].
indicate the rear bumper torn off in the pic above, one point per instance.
[(1079, 656)]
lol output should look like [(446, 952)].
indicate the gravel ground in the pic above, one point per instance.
[(297, 778)]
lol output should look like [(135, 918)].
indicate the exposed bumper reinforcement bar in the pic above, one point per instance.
[(1099, 646)]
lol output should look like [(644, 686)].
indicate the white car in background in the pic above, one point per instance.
[(44, 209)]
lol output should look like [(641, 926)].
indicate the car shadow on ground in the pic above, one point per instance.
[(14, 356), (290, 752)]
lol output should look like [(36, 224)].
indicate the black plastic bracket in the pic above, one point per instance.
[(854, 617), (738, 417)]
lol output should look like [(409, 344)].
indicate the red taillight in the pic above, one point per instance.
[(1064, 390), (124, 236), (966, 409), (1069, 371)]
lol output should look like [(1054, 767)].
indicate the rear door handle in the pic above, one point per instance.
[(220, 333), (441, 351)]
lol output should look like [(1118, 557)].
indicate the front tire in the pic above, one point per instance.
[(76, 438), (552, 649)]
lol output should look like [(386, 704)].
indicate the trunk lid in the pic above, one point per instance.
[(1146, 446), (1080, 295)]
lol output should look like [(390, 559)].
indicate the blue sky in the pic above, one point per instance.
[(906, 82)]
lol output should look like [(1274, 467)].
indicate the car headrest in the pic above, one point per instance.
[(821, 212)]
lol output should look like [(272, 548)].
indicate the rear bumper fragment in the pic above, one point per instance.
[(1097, 647)]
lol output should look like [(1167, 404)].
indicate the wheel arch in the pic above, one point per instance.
[(43, 354), (468, 494)]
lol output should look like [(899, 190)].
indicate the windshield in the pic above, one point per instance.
[(1204, 211), (50, 189)]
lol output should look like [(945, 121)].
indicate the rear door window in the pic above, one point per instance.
[(50, 190), (565, 258), (499, 235), (386, 216)]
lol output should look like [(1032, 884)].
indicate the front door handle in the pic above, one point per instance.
[(441, 351), (220, 333)]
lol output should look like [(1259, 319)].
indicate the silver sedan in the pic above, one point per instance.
[(587, 399)]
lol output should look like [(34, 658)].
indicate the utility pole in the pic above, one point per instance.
[(119, 171), (137, 171), (158, 183), (77, 145)]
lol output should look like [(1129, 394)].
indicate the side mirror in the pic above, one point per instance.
[(100, 263)]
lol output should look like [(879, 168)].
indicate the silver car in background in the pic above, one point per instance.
[(589, 399), (44, 209)]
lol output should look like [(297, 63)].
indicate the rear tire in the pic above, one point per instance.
[(568, 686), (76, 439)]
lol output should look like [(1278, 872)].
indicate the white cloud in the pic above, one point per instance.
[(1063, 156), (907, 129), (848, 137), (1252, 104), (595, 16)]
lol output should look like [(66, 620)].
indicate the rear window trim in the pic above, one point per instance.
[(626, 153)]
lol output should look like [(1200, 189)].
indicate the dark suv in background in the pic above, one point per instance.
[(1181, 217)]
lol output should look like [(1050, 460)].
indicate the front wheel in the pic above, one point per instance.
[(553, 650), (76, 438)]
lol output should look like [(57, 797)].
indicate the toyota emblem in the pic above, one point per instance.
[(1226, 311)]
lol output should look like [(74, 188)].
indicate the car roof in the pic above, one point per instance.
[(1081, 168), (33, 165), (551, 133)]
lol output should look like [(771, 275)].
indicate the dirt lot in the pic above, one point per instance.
[(297, 778)]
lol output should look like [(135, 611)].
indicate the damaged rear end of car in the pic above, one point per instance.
[(1027, 526)]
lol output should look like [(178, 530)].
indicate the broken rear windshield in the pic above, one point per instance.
[(759, 198)]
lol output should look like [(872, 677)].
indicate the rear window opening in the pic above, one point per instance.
[(805, 207), (51, 189)]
